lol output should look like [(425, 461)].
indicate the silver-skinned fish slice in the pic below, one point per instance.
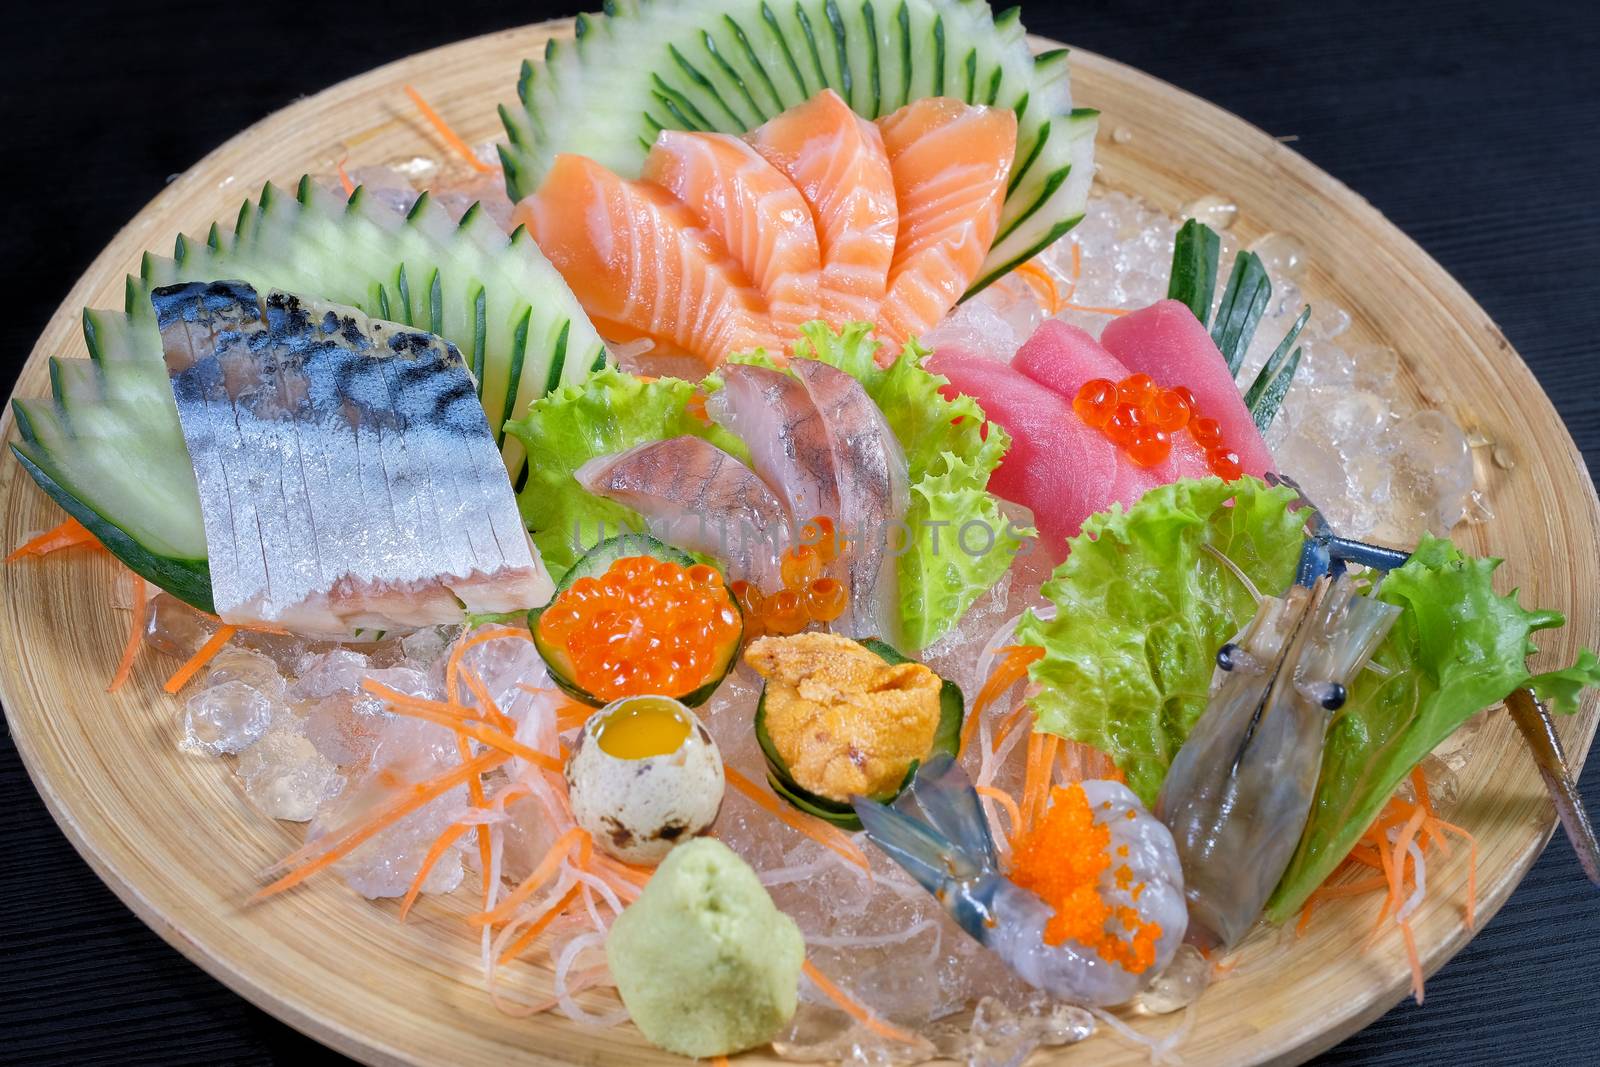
[(348, 478), (695, 496), (773, 414), (874, 494)]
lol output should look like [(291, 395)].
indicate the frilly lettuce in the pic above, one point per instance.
[(949, 451), (1142, 607), (1457, 648)]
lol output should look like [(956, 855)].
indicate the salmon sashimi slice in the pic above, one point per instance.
[(1063, 358), (753, 209), (1168, 343), (949, 160), (837, 161), (773, 414), (697, 497), (640, 264), (874, 494), (348, 478)]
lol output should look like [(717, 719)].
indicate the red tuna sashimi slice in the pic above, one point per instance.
[(949, 160), (1168, 343), (1059, 468), (1062, 358), (837, 161), (753, 209), (641, 266)]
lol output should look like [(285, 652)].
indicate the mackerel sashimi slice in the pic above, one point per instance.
[(695, 496), (347, 475), (1168, 343), (949, 160), (837, 161), (1063, 358), (1059, 468), (642, 266), (874, 495), (753, 209), (773, 414)]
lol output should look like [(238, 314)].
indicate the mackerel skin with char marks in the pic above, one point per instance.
[(348, 477)]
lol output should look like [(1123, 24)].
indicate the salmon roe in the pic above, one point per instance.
[(1062, 859), (1140, 418), (807, 596), (646, 626)]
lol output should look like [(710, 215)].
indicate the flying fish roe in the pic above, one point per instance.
[(1062, 859)]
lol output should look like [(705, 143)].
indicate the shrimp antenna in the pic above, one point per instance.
[(1244, 579)]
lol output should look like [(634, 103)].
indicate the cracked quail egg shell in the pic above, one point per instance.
[(644, 775)]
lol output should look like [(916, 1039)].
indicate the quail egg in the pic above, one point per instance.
[(644, 775)]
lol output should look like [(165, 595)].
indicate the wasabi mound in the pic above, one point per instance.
[(705, 962)]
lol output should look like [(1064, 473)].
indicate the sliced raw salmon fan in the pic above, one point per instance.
[(725, 244)]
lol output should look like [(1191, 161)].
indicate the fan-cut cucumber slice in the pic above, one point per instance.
[(109, 447)]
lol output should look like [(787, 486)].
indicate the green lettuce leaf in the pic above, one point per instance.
[(949, 453), (1457, 648), (607, 412), (1141, 609)]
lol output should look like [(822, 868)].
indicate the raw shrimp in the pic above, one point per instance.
[(937, 832), (1240, 789)]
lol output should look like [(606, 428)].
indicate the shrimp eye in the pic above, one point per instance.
[(1333, 696), (1228, 656)]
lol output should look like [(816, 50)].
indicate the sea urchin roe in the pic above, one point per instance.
[(1062, 859), (645, 626)]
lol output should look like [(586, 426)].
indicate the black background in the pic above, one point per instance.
[(1472, 125)]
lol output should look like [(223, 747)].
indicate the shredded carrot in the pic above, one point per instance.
[(141, 600), (542, 873), (486, 704), (451, 834), (475, 793), (1040, 280), (822, 833), (1006, 801), (719, 1061), (539, 925), (1008, 724), (1410, 822), (1036, 781), (855, 1010), (204, 655), (69, 533), (456, 719), (344, 178), (450, 136), (325, 851), (1011, 669), (1077, 270)]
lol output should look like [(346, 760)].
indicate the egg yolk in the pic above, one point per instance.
[(641, 727)]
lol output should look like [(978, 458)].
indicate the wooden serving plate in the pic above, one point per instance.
[(175, 840)]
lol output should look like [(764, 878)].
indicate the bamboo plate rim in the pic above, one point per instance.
[(209, 927)]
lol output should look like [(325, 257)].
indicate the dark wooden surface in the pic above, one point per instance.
[(1473, 125)]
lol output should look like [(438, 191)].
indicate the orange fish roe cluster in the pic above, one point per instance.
[(1140, 418), (1062, 858), (645, 626), (808, 595)]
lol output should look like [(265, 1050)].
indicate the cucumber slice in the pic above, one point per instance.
[(593, 564), (729, 65), (946, 739), (110, 442)]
